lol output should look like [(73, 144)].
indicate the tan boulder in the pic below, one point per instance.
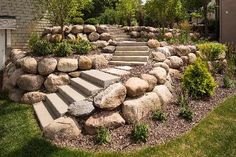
[(136, 86)]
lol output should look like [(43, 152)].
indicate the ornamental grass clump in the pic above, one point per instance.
[(198, 81), (103, 136), (159, 116), (140, 133)]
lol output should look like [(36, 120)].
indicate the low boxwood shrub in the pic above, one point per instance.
[(41, 48), (92, 21), (63, 49), (186, 113), (77, 20), (198, 81), (34, 38), (103, 136), (140, 133), (159, 116), (228, 82), (82, 47)]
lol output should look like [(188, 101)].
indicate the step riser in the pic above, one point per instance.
[(126, 63), (124, 39), (131, 53), (131, 59), (132, 44), (83, 89), (66, 96), (132, 48)]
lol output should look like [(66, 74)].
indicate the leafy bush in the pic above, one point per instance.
[(159, 116), (103, 136), (186, 113), (63, 49), (41, 48), (82, 47), (197, 80), (228, 83), (211, 51), (92, 21), (34, 38), (77, 20), (140, 133), (182, 99)]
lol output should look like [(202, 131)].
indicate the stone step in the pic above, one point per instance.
[(127, 68), (132, 53), (43, 114), (56, 103), (115, 71), (127, 63), (132, 48), (124, 39), (121, 36), (131, 43), (70, 94), (84, 86), (130, 58), (114, 33), (99, 78)]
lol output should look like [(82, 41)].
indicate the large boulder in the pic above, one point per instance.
[(160, 73), (15, 76), (153, 43), (81, 108), (111, 98), (29, 65), (54, 81), (56, 38), (47, 66), (163, 65), (99, 61), (164, 50), (183, 50), (101, 29), (100, 43), (85, 63), (176, 62), (71, 37), (94, 36), (67, 65), (152, 81), (105, 36), (168, 35), (164, 94), (109, 49), (56, 30), (192, 58), (82, 36), (135, 34), (30, 82), (17, 54), (158, 56), (15, 94), (77, 29), (62, 128), (135, 109), (110, 120), (33, 97), (175, 73), (89, 29), (136, 86)]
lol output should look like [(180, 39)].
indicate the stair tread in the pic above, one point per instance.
[(71, 93), (128, 63), (44, 116)]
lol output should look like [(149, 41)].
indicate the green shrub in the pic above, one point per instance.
[(159, 116), (197, 80), (77, 20), (34, 38), (92, 21), (103, 136), (186, 114), (140, 133), (228, 83), (42, 48), (63, 49), (211, 51), (182, 99), (82, 47)]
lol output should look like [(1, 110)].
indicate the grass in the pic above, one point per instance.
[(215, 136)]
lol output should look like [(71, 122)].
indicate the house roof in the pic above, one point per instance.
[(7, 22)]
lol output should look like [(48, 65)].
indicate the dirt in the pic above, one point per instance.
[(159, 133)]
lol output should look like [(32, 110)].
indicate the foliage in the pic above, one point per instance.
[(140, 133), (186, 113), (197, 80), (82, 47), (228, 82), (182, 99), (109, 17), (77, 20), (34, 38), (103, 136), (159, 116), (41, 48), (231, 60), (63, 49), (92, 21), (211, 51)]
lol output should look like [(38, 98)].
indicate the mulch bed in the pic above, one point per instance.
[(159, 132)]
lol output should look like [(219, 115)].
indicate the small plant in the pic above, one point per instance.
[(140, 133), (103, 136), (228, 83), (34, 38), (63, 49), (82, 47), (41, 48), (182, 99), (159, 116), (77, 20), (92, 21), (186, 113), (198, 81)]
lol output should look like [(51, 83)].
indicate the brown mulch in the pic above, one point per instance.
[(159, 132)]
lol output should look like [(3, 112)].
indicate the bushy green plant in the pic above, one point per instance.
[(186, 113), (63, 49), (140, 133), (228, 83), (82, 47), (34, 38), (159, 116), (197, 80), (42, 48), (182, 99), (211, 51), (103, 136), (77, 20), (92, 21)]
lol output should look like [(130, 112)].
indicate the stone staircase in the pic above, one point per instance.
[(56, 104), (128, 51)]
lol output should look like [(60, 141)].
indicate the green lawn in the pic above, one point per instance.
[(215, 136)]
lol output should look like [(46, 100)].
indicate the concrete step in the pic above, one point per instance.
[(84, 86), (43, 114), (56, 103), (130, 58), (115, 71), (131, 43), (124, 39), (132, 53), (126, 63), (132, 48), (99, 78), (121, 36), (70, 94)]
